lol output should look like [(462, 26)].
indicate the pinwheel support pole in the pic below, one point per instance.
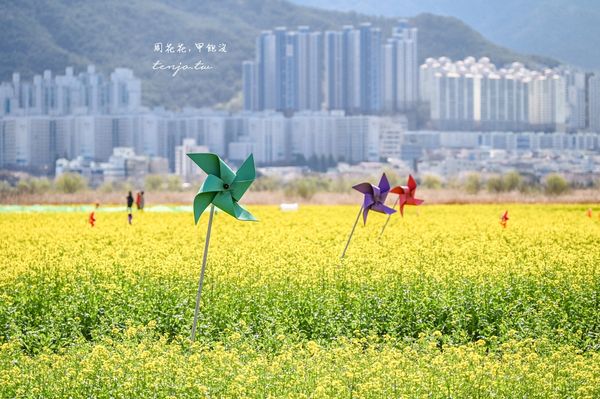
[(388, 218), (352, 232), (199, 294)]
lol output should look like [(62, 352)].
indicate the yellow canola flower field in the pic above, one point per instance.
[(446, 303)]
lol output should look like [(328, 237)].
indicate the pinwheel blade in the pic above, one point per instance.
[(243, 214), (384, 184), (365, 188), (243, 179), (402, 203), (212, 184), (381, 208), (365, 214), (399, 190), (208, 162), (412, 184), (376, 192), (247, 171), (201, 201), (226, 174), (368, 201), (239, 188), (224, 202), (414, 201)]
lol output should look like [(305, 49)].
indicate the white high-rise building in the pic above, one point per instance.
[(269, 135), (576, 101), (184, 166), (547, 100), (312, 135), (335, 136), (400, 69), (594, 103), (391, 135), (34, 142), (427, 73), (472, 94), (125, 91), (69, 94)]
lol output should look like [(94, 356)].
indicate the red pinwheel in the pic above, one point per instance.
[(374, 200), (375, 197), (504, 219), (406, 196)]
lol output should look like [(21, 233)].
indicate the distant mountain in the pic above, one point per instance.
[(568, 30), (38, 35)]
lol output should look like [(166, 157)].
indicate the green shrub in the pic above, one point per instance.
[(266, 183), (473, 183), (69, 183), (512, 181), (495, 184), (453, 183), (303, 188), (432, 182), (555, 185), (153, 183), (32, 185), (174, 183), (340, 185), (6, 189), (106, 187), (42, 185)]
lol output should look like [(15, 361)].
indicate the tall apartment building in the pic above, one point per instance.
[(333, 135), (336, 70), (184, 166), (576, 99), (594, 103), (474, 94), (33, 142), (341, 76), (400, 71), (86, 93), (352, 78), (547, 101), (286, 74)]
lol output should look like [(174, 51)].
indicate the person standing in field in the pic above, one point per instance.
[(138, 200), (129, 206), (142, 201)]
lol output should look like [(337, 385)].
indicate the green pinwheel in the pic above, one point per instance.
[(222, 187)]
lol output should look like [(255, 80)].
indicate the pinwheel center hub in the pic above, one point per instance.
[(226, 186)]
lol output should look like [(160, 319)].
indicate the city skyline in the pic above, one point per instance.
[(345, 95)]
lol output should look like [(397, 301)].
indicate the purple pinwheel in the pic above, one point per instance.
[(375, 197), (374, 201)]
